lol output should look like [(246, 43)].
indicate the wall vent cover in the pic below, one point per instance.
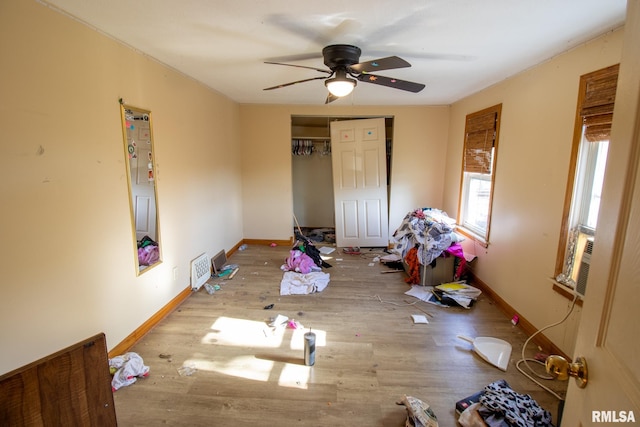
[(200, 271)]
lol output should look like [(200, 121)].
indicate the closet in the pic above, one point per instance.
[(311, 168)]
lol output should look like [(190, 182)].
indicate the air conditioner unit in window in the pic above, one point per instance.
[(586, 243)]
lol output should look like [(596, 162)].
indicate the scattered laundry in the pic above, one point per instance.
[(308, 247), (303, 268), (294, 283), (499, 405), (126, 369), (300, 262)]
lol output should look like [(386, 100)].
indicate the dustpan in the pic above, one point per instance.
[(493, 350)]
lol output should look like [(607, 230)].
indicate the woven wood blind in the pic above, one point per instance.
[(480, 134), (597, 105)]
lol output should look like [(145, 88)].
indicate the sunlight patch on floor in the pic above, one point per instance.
[(243, 333), (247, 366), (251, 335), (296, 376)]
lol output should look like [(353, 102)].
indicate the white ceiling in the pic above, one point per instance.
[(456, 47)]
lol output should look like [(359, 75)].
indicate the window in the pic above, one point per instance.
[(478, 172), (586, 175)]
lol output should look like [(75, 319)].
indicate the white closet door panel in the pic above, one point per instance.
[(360, 182)]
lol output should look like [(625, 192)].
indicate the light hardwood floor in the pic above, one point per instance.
[(369, 352)]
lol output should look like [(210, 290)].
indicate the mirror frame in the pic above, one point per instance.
[(129, 150)]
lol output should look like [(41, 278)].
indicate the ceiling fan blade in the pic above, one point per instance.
[(432, 56), (388, 63), (330, 98), (391, 82), (300, 66), (293, 83)]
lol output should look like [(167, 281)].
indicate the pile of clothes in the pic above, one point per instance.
[(148, 251), (303, 269), (500, 406), (429, 230), (424, 235)]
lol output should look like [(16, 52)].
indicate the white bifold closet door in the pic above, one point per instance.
[(359, 164)]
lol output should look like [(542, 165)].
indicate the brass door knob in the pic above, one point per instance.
[(561, 369)]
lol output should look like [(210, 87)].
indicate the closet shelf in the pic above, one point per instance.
[(312, 138)]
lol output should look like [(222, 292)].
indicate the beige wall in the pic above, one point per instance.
[(538, 110), (66, 256), (417, 170)]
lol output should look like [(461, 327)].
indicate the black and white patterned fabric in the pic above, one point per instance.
[(428, 229), (519, 409)]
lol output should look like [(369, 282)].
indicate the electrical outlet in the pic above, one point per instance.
[(175, 273)]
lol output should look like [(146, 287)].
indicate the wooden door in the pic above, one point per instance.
[(608, 336), (359, 164), (71, 387)]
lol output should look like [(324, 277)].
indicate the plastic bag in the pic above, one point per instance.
[(419, 413), (129, 367)]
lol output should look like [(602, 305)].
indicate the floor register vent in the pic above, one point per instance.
[(200, 271)]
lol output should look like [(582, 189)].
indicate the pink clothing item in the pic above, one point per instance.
[(456, 251), (299, 262), (148, 255)]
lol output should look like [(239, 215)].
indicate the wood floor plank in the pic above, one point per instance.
[(369, 352)]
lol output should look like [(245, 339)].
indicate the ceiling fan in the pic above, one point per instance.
[(345, 71)]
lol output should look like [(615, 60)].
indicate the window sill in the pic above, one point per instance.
[(565, 291), (472, 236)]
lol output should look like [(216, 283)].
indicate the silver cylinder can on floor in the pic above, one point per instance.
[(309, 348)]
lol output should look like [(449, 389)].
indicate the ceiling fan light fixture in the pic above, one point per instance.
[(341, 85), (344, 71)]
